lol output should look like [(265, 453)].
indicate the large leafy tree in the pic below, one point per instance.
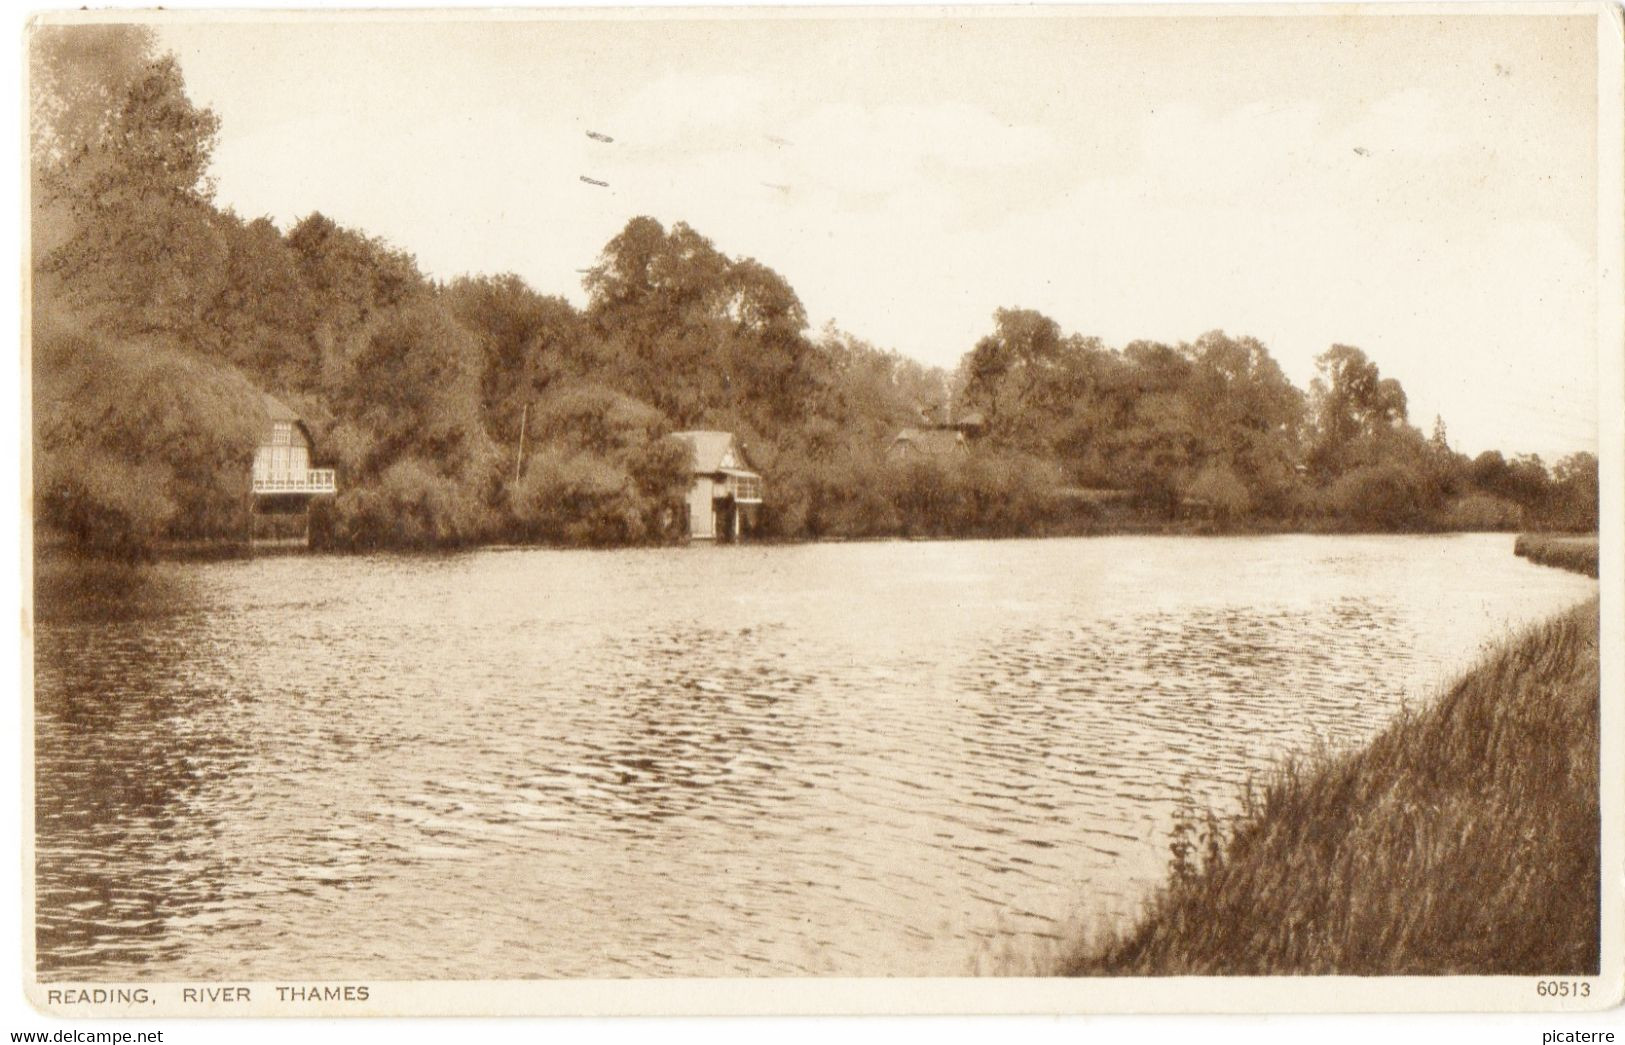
[(123, 212), (358, 279), (1158, 440), (263, 315), (1009, 375), (410, 388), (419, 467), (768, 367), (703, 337), (77, 77), (1575, 492), (137, 436), (528, 342), (1252, 417), (864, 394), (1351, 404), (655, 301)]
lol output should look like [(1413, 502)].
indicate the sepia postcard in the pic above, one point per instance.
[(795, 510)]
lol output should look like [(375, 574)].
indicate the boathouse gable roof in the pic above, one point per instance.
[(932, 442), (716, 453), (279, 412)]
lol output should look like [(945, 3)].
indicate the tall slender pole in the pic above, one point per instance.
[(519, 459)]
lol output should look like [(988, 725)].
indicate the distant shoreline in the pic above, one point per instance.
[(1548, 545)]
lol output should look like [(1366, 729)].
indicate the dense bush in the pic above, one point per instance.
[(136, 439), (1218, 486), (1382, 497), (846, 495), (411, 504), (578, 499), (582, 498), (1483, 512), (606, 472)]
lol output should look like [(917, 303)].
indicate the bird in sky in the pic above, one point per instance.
[(595, 136), (595, 181)]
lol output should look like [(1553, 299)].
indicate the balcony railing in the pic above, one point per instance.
[(314, 480), (745, 489)]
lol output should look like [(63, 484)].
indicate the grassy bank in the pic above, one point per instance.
[(1577, 552), (1464, 839)]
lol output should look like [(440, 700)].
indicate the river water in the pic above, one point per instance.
[(858, 759)]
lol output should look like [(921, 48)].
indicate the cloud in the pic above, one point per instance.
[(886, 149), (679, 115)]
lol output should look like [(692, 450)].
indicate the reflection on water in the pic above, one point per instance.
[(877, 759)]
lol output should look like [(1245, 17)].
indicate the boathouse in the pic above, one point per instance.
[(916, 443), (939, 435), (284, 483), (725, 498)]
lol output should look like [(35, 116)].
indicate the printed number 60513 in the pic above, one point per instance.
[(1563, 989)]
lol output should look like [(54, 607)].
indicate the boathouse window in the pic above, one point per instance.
[(281, 433)]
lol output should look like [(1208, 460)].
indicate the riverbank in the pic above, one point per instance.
[(1462, 840), (1576, 552)]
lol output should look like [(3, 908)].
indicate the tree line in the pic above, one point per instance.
[(1214, 429), (481, 410)]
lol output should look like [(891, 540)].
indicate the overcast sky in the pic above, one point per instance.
[(1423, 188)]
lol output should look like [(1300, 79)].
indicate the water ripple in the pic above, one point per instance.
[(856, 759)]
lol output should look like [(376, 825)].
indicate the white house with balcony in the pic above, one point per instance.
[(283, 480), (282, 462), (725, 498)]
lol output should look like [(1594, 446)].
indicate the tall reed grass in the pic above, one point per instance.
[(1577, 552), (1463, 840)]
